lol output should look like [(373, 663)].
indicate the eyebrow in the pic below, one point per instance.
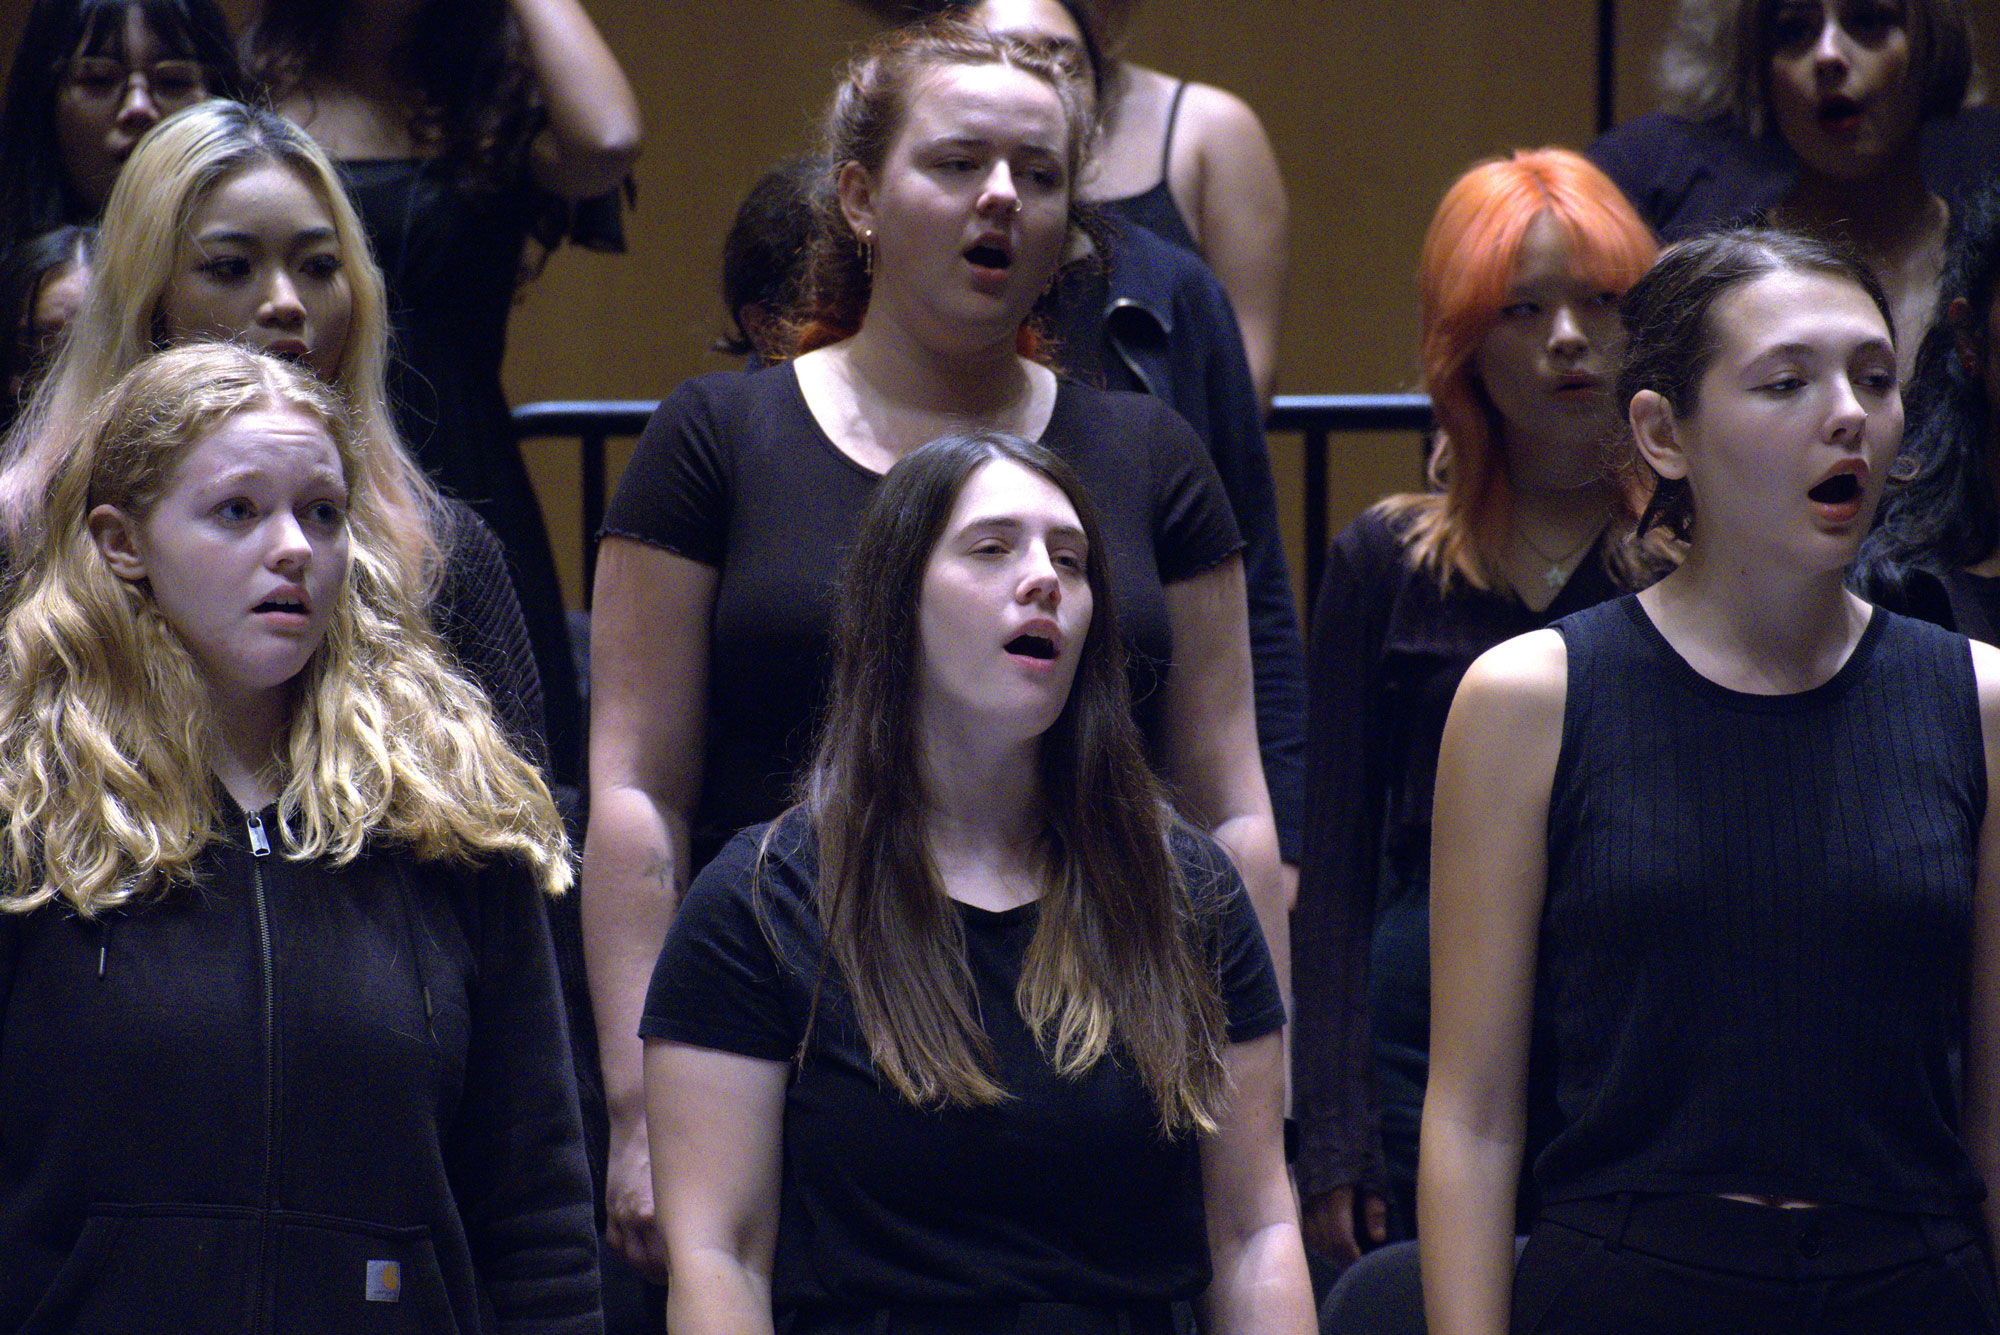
[(242, 238), (1808, 351), (1013, 524), (256, 473), (982, 141)]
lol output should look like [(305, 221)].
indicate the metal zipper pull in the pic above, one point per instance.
[(259, 845)]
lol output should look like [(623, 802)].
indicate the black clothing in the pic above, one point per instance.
[(451, 260), (298, 1098), (1388, 649), (1684, 177), (1153, 320), (1705, 1265), (994, 1319), (478, 616), (1066, 1193), (1755, 947), (734, 472), (1154, 208), (1955, 600)]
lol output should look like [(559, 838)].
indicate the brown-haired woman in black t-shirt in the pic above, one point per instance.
[(975, 1037), (943, 218)]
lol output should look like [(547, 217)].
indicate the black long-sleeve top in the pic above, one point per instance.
[(1388, 648), (1155, 320)]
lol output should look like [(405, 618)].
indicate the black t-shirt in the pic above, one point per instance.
[(735, 473), (1066, 1193)]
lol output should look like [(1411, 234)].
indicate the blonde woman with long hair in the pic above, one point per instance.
[(228, 222), (280, 1034)]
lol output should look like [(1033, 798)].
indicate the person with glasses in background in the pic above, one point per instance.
[(88, 79)]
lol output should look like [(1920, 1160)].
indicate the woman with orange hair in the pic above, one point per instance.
[(1521, 273)]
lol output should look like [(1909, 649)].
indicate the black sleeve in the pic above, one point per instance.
[(479, 616), (719, 982), (1632, 156), (1251, 1003), (1236, 443), (10, 951), (1333, 921), (675, 492), (1193, 530), (520, 1176)]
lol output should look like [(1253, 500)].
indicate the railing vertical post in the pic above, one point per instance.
[(1316, 488), (593, 508)]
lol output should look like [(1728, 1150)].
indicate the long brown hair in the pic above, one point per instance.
[(1117, 954), (474, 106)]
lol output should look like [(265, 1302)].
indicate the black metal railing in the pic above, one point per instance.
[(1315, 418)]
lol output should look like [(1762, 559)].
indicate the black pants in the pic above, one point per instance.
[(1702, 1265), (992, 1319)]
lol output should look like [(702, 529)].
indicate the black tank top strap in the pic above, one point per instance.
[(1167, 140)]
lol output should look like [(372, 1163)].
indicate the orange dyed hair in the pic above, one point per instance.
[(1464, 278)]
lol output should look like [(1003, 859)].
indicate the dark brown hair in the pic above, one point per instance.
[(1716, 60), (475, 105), (868, 111), (1670, 334), (1116, 956), (34, 194)]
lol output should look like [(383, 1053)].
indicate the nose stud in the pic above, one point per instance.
[(1017, 207)]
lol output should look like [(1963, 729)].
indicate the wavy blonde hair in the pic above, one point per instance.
[(142, 243), (106, 721)]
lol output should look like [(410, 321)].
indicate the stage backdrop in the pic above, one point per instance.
[(1373, 109)]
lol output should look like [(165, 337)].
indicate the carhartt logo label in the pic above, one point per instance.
[(385, 1281)]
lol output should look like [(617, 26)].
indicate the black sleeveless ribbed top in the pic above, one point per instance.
[(1755, 942)]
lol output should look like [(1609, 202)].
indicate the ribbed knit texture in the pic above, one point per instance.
[(1755, 943)]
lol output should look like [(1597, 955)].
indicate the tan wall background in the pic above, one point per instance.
[(1373, 109)]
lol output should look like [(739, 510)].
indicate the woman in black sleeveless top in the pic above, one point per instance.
[(1723, 848)]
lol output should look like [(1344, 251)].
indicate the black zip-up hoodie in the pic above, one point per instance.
[(296, 1099)]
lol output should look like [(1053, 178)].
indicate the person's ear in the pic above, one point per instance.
[(117, 537), (1656, 432), (855, 189)]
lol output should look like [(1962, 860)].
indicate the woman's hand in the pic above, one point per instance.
[(1329, 1224)]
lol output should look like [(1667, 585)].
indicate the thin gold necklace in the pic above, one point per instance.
[(1556, 574)]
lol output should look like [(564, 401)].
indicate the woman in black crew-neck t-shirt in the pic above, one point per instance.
[(872, 1108), (1730, 843), (941, 222)]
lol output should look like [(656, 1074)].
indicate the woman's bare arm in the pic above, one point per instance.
[(593, 133), (717, 1124), (1226, 180), (1982, 1040), (649, 697), (1260, 1285), (1489, 860), (1211, 742)]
